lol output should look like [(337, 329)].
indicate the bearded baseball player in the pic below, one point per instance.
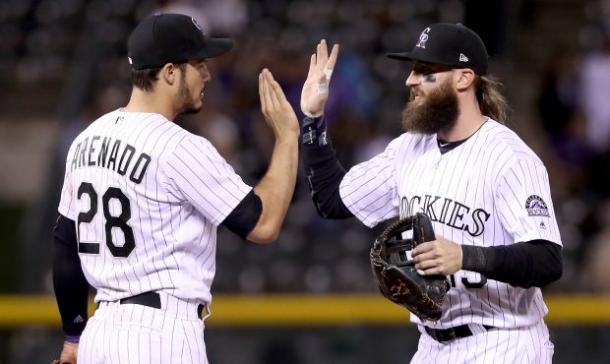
[(484, 190), (142, 200)]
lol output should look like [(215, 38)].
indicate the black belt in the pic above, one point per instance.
[(151, 299), (442, 335)]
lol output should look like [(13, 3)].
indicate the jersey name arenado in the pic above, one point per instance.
[(147, 197), (490, 190)]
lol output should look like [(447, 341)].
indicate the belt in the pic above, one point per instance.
[(442, 335), (152, 299)]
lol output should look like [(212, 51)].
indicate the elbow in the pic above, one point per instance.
[(267, 238), (556, 274), (264, 234), (550, 267), (557, 271), (552, 276)]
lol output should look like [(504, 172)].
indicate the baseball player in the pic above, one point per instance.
[(142, 200), (485, 191)]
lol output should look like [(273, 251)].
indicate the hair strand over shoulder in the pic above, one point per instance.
[(491, 101)]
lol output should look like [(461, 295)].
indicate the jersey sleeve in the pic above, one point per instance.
[(523, 200), (67, 206), (368, 189), (203, 177)]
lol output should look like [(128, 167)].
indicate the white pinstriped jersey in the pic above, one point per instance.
[(490, 190), (147, 197)]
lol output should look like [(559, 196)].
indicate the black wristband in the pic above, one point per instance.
[(313, 131), (324, 174)]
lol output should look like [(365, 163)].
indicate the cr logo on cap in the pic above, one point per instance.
[(423, 38)]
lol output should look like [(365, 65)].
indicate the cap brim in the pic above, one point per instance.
[(406, 56), (215, 47), (411, 57)]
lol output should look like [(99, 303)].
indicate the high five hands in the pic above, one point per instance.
[(276, 109), (315, 89)]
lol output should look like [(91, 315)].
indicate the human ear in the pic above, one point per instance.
[(463, 79), (169, 73)]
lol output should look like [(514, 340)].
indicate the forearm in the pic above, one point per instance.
[(276, 188), (71, 287), (535, 263), (324, 171), (71, 293)]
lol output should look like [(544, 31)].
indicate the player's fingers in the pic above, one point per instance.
[(434, 266), (278, 93), (423, 248), (424, 257), (428, 264), (260, 86), (321, 56), (332, 61), (264, 93), (272, 99), (437, 270), (429, 271), (260, 91), (275, 91), (312, 65), (323, 52)]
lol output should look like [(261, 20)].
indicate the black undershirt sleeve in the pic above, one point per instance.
[(71, 287), (534, 263), (245, 215), (324, 171)]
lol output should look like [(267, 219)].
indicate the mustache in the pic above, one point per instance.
[(414, 92)]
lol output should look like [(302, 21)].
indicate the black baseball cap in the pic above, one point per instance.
[(448, 44), (171, 38)]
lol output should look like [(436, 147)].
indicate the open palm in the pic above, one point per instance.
[(315, 88)]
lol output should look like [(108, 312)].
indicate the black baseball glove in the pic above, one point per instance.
[(396, 275)]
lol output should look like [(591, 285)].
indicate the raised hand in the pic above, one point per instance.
[(316, 87), (276, 109)]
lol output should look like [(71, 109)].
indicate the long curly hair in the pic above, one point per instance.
[(491, 101)]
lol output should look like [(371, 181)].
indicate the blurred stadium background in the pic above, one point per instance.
[(310, 297)]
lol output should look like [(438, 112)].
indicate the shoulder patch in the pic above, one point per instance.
[(535, 206)]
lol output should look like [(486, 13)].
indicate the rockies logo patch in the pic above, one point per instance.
[(535, 206)]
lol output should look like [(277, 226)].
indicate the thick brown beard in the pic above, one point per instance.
[(438, 111)]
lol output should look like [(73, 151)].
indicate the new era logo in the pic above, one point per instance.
[(463, 58), (196, 24)]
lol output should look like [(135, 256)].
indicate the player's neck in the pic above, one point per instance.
[(468, 122), (150, 102)]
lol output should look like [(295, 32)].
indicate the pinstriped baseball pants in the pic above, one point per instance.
[(527, 345), (136, 334)]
